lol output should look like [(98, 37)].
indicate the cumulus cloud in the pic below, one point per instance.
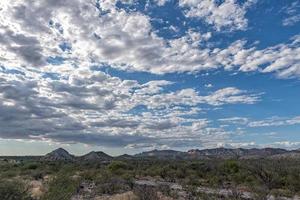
[(49, 89), (21, 46), (273, 121), (290, 21), (226, 15), (93, 107), (238, 145), (235, 120), (161, 2), (283, 59), (286, 144), (251, 144), (88, 33), (292, 14), (231, 95), (209, 85)]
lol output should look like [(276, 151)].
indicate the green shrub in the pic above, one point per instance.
[(63, 187), (31, 166), (117, 166), (13, 190), (231, 166)]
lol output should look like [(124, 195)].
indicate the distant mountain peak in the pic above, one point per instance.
[(61, 150), (238, 152), (59, 154), (96, 156), (162, 154), (125, 157)]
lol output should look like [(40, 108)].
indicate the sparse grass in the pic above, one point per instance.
[(261, 176), (63, 187), (13, 190)]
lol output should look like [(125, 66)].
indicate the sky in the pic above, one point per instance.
[(125, 76)]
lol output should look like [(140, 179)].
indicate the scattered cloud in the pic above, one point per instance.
[(282, 59), (273, 121), (127, 41), (209, 85), (238, 145), (161, 2), (290, 21), (85, 105), (293, 14), (286, 144), (252, 144), (231, 95), (235, 120), (226, 15), (51, 90)]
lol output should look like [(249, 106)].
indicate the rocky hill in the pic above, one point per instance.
[(294, 154), (220, 153), (124, 157), (162, 154), (59, 154), (96, 156), (235, 153)]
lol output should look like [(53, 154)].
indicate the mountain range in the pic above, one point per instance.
[(220, 153)]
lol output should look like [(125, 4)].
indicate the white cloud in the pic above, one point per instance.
[(121, 39), (235, 120), (161, 2), (293, 14), (238, 145), (252, 144), (231, 95), (70, 103), (286, 144), (275, 122), (226, 15), (290, 21), (95, 108), (209, 85), (32, 32), (282, 59)]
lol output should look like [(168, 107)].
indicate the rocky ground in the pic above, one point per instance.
[(175, 191)]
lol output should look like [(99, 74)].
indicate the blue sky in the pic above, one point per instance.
[(126, 76)]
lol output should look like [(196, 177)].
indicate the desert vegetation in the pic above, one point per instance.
[(149, 178)]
